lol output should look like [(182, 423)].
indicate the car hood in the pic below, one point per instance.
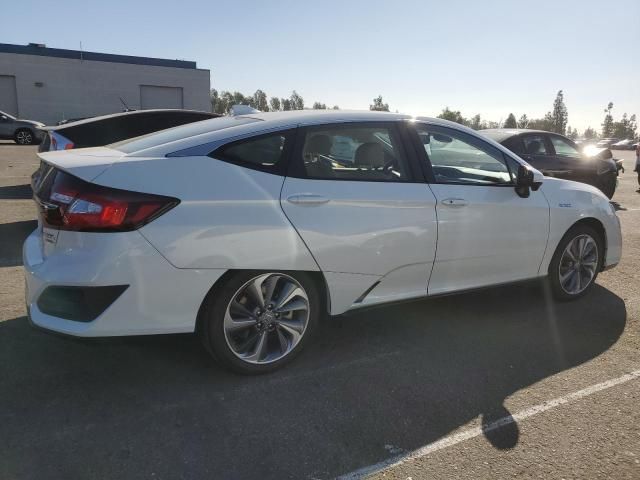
[(597, 152), (30, 122)]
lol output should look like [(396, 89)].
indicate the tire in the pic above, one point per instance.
[(24, 136), (561, 264), (234, 335)]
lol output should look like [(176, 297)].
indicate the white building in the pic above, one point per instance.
[(51, 84)]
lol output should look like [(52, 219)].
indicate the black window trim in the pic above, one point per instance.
[(296, 165), (280, 168), (427, 168)]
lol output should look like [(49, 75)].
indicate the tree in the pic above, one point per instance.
[(319, 106), (572, 134), (510, 122), (476, 122), (523, 121), (335, 107), (558, 117), (286, 104), (275, 104), (453, 116), (625, 128), (541, 123), (590, 134), (297, 102), (607, 125), (378, 105), (260, 101)]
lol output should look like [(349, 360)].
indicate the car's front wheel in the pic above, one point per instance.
[(576, 262), (24, 136), (255, 322)]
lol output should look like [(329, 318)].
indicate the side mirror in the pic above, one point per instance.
[(4, 118), (527, 180)]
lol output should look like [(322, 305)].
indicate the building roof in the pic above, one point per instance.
[(40, 50)]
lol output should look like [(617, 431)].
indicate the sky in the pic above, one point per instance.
[(490, 57)]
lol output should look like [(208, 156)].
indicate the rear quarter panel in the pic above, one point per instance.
[(229, 217)]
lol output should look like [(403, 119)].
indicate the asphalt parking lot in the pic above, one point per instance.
[(396, 392)]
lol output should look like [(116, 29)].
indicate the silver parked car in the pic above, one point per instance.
[(23, 132)]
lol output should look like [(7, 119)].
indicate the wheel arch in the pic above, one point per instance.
[(317, 277)]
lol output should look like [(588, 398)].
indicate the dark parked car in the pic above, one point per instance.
[(557, 156), (23, 132), (98, 131)]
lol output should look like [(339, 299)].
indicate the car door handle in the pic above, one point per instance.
[(307, 199), (455, 202)]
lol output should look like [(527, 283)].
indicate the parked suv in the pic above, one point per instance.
[(23, 132)]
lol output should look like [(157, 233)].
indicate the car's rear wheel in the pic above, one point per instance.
[(576, 263), (258, 321), (24, 136)]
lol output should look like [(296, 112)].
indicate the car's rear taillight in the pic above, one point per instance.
[(59, 142), (73, 204)]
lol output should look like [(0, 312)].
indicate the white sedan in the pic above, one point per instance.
[(250, 229)]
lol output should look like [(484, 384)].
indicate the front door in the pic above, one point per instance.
[(487, 234)]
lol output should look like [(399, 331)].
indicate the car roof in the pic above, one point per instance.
[(124, 114), (501, 134), (195, 138)]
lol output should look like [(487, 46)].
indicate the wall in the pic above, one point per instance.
[(80, 88)]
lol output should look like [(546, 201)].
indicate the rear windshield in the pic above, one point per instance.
[(178, 133)]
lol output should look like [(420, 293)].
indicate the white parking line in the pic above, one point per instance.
[(477, 431)]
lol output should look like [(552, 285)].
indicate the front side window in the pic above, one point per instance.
[(354, 152), (534, 145), (459, 158), (265, 152), (563, 147)]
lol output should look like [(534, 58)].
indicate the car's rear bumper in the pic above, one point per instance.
[(159, 298)]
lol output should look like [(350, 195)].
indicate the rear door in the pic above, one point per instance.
[(361, 208)]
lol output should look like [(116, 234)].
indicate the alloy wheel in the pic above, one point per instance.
[(266, 318), (578, 264), (24, 137)]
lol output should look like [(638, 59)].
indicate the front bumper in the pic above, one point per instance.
[(160, 298)]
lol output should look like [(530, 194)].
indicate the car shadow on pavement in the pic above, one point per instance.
[(16, 192), (12, 236), (399, 376)]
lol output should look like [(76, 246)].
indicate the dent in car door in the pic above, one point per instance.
[(362, 224)]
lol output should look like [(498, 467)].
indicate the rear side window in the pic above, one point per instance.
[(267, 153)]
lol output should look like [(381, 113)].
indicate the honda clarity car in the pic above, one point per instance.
[(106, 129), (557, 156), (251, 229), (23, 132)]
